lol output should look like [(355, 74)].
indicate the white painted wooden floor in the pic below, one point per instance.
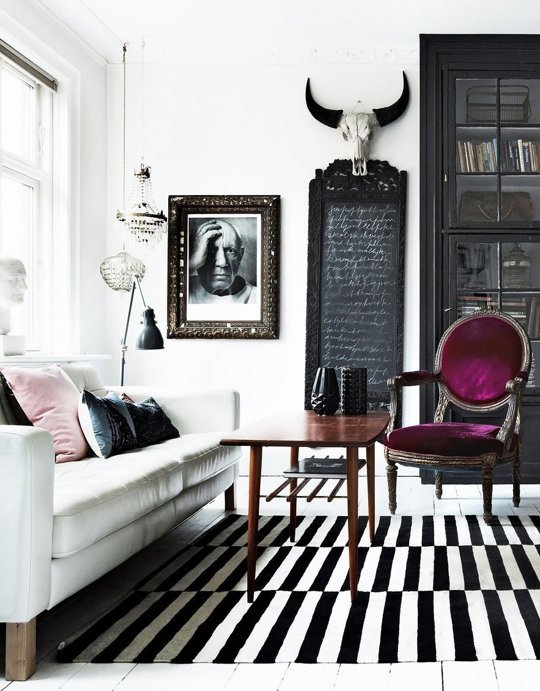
[(413, 498)]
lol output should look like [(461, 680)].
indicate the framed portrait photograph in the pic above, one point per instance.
[(223, 266)]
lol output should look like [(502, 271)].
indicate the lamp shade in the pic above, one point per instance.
[(149, 337), (117, 271), (144, 222)]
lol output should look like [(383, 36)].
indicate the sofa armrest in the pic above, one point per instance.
[(26, 515), (200, 411)]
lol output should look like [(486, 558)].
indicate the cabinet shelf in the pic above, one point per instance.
[(502, 174), (503, 127)]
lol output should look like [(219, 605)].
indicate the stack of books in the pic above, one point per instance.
[(520, 156), (477, 157), (468, 304), (318, 467), (517, 309)]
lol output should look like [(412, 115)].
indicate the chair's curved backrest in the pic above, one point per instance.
[(479, 354)]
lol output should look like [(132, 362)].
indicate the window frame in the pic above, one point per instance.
[(48, 173)]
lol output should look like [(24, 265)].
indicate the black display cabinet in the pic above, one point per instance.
[(480, 201)]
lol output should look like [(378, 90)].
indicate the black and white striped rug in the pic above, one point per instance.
[(431, 588)]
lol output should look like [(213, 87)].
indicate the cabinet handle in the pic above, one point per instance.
[(448, 309), (445, 177)]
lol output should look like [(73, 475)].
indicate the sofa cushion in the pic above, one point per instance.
[(202, 456), (95, 497), (85, 376), (106, 423), (50, 399)]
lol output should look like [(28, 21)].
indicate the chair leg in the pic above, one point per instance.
[(516, 477), (487, 491), (438, 484), (391, 475)]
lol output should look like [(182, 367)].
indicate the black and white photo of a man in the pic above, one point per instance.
[(223, 260)]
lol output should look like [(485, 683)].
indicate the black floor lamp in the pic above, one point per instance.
[(149, 337)]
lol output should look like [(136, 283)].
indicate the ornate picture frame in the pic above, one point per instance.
[(223, 266)]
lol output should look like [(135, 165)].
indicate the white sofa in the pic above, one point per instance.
[(64, 525)]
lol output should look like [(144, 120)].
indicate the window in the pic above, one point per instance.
[(27, 102)]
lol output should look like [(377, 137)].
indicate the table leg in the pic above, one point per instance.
[(370, 472), (255, 462), (292, 503), (352, 516)]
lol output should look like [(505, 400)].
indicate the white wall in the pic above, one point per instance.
[(82, 75), (245, 129), (228, 116), (225, 114)]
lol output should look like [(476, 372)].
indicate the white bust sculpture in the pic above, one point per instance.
[(12, 288)]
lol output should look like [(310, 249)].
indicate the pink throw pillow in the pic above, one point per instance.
[(50, 400)]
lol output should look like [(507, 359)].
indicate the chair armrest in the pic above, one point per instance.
[(191, 412), (511, 422), (395, 384), (26, 515), (418, 377)]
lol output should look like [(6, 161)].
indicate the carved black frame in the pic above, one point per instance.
[(383, 183), (180, 207)]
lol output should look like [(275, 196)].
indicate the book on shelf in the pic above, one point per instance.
[(533, 326), (525, 164), (476, 298), (531, 382), (318, 467), (535, 357)]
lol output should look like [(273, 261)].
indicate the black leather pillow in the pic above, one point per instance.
[(151, 423), (11, 409), (106, 424)]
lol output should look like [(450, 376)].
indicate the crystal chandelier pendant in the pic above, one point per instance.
[(117, 271), (143, 222)]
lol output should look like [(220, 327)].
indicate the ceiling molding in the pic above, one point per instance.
[(168, 52), (99, 32), (98, 39)]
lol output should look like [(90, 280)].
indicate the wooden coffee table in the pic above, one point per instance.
[(305, 428)]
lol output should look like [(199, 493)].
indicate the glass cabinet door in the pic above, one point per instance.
[(495, 171), (476, 277), (501, 274)]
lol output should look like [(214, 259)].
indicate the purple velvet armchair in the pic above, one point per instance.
[(482, 364)]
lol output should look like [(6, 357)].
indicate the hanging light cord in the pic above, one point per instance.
[(124, 129), (143, 74)]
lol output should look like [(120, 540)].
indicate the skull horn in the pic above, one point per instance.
[(387, 115), (328, 117)]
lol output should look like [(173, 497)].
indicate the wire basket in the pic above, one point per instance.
[(515, 105)]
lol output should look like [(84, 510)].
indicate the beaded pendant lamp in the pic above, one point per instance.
[(142, 221), (118, 270)]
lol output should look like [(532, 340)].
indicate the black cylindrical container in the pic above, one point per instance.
[(354, 390)]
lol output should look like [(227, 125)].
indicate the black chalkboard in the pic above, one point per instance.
[(355, 274)]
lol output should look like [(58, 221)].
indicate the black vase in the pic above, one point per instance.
[(325, 393), (354, 390)]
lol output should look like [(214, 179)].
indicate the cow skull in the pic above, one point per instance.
[(357, 128)]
